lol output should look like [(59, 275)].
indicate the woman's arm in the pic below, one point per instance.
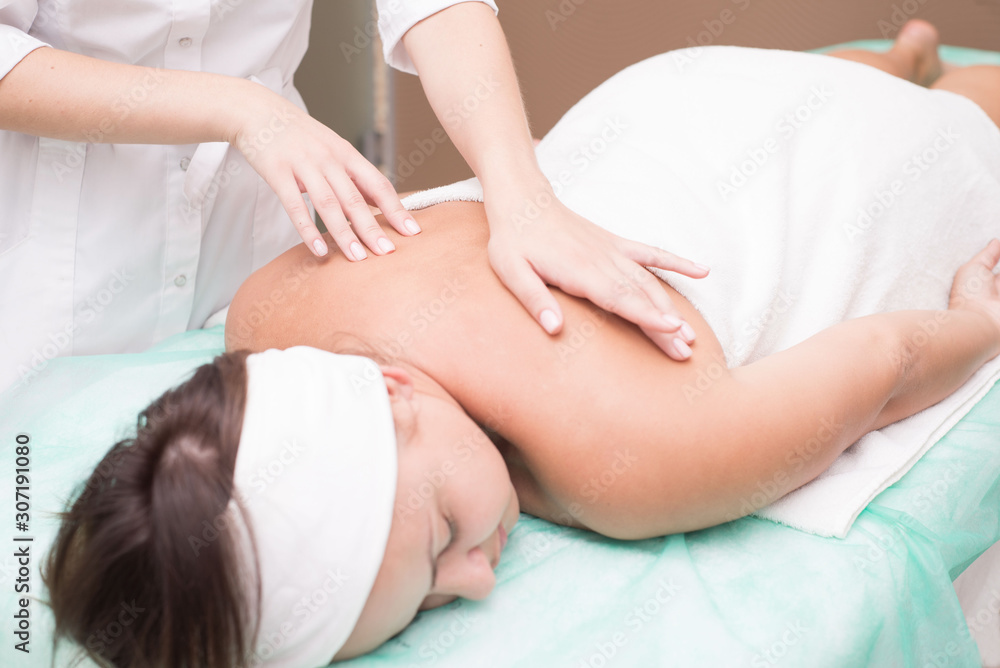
[(58, 94), (466, 71), (758, 432)]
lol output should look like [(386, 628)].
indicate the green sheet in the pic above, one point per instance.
[(748, 593)]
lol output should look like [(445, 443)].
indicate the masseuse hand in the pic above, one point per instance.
[(563, 249), (297, 154)]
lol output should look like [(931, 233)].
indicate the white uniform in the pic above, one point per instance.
[(110, 247)]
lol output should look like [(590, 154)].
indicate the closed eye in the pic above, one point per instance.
[(452, 532)]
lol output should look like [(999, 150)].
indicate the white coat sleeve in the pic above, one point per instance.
[(16, 17), (395, 17)]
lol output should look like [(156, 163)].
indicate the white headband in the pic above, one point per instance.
[(316, 471)]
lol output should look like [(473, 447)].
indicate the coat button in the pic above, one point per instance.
[(185, 163), (180, 281), (185, 41)]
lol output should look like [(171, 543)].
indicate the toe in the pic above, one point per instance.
[(921, 39), (920, 31)]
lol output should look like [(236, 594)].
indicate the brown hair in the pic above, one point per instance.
[(135, 577)]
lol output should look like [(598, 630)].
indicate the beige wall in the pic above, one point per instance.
[(335, 77), (563, 48)]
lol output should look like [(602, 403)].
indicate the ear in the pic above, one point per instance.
[(397, 381)]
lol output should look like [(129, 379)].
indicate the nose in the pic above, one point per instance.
[(468, 575)]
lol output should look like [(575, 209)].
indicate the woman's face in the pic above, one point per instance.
[(454, 506)]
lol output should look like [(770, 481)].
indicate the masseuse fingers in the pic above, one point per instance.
[(622, 293), (672, 344), (626, 291), (328, 207), (684, 335), (290, 197), (379, 192), (651, 256), (629, 301), (633, 278), (355, 208), (639, 298), (525, 284)]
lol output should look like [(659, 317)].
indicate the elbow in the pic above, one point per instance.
[(901, 354), (898, 358)]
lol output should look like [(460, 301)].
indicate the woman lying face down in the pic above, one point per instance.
[(598, 429), (288, 507), (299, 497)]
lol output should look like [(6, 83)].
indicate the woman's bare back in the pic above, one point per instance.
[(574, 409)]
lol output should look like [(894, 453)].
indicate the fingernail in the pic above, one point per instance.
[(550, 321), (385, 245), (320, 247), (682, 349), (357, 251), (687, 332), (672, 320), (701, 266), (411, 226)]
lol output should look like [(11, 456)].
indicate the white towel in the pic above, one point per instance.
[(815, 188)]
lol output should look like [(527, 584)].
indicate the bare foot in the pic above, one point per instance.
[(919, 39)]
